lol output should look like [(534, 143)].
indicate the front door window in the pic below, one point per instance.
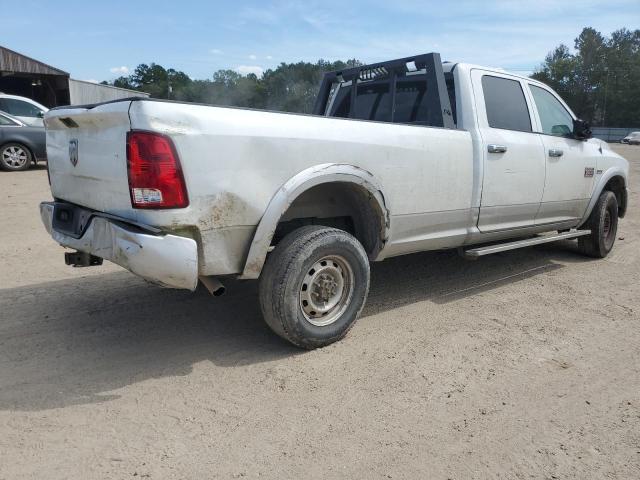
[(554, 117)]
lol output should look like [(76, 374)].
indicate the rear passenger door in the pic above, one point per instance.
[(513, 155)]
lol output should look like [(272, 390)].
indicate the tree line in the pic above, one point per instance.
[(599, 80), (291, 87)]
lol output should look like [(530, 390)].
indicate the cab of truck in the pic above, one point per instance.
[(535, 163)]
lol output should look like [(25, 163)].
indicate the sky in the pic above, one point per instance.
[(102, 40)]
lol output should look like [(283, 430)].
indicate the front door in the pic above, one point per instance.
[(571, 163), (514, 161)]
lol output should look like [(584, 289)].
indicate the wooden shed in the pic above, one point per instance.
[(27, 77), (50, 86)]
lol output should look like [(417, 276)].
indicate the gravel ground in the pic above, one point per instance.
[(524, 364)]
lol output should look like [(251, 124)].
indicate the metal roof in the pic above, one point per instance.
[(11, 61)]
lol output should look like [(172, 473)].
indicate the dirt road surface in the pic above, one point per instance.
[(521, 365)]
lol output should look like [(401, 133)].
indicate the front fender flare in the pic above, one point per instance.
[(292, 189), (604, 179)]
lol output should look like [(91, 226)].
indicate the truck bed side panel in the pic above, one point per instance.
[(236, 159)]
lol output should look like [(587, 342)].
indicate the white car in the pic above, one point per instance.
[(400, 157), (632, 139), (23, 108)]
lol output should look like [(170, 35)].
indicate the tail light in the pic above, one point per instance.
[(155, 174)]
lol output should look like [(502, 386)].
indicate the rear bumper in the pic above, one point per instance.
[(167, 260)]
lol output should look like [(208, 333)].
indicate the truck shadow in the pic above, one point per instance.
[(72, 341)]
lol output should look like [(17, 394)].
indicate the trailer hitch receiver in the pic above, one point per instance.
[(81, 259)]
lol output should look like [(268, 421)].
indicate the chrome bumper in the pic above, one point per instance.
[(167, 260)]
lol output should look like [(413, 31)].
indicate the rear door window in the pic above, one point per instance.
[(505, 104)]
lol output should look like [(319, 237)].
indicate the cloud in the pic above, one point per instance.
[(252, 57), (247, 69), (269, 57), (120, 70), (216, 51)]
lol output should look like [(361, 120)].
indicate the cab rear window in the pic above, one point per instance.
[(374, 101), (412, 91)]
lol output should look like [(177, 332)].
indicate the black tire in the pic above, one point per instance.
[(308, 264), (603, 223), (15, 157)]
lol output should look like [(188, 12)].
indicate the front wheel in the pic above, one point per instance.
[(14, 157), (603, 223), (314, 285)]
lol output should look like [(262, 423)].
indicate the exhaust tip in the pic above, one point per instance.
[(219, 292), (213, 285)]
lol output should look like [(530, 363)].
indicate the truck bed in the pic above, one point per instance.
[(234, 161)]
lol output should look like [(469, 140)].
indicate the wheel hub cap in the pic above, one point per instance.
[(326, 290), (14, 156)]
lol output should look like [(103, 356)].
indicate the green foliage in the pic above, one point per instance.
[(290, 87), (600, 80)]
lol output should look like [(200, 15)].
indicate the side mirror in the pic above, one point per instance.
[(581, 129), (41, 114)]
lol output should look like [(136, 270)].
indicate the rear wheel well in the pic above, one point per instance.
[(344, 205), (617, 187)]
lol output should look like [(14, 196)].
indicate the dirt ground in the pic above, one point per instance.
[(521, 365)]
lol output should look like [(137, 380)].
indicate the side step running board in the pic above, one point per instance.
[(474, 253)]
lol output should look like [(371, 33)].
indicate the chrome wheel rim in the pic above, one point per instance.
[(14, 156), (326, 290)]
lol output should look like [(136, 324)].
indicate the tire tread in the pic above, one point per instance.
[(273, 281)]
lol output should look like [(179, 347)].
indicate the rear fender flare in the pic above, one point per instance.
[(292, 189)]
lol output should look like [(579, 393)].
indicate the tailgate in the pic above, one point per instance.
[(86, 152)]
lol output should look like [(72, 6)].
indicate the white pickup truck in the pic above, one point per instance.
[(399, 157)]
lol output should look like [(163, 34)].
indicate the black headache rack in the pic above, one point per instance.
[(426, 67)]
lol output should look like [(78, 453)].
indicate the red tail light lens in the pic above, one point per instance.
[(155, 174)]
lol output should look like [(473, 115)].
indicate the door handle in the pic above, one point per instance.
[(555, 152), (492, 148)]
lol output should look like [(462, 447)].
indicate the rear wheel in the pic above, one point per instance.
[(314, 285), (14, 157), (603, 223)]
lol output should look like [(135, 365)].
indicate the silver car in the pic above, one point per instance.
[(632, 139), (21, 145), (24, 109)]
